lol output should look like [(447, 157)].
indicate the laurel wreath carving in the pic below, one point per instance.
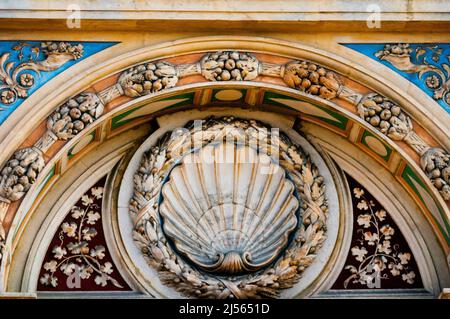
[(173, 270)]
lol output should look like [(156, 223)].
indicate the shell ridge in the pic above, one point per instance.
[(208, 231), (283, 191), (275, 198), (193, 176), (185, 209), (272, 227), (269, 193), (265, 188), (173, 230), (187, 216), (248, 196), (273, 239), (236, 171), (219, 194), (205, 183), (261, 191)]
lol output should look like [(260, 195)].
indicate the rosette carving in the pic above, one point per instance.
[(148, 78), (229, 66), (311, 78), (74, 115), (227, 280)]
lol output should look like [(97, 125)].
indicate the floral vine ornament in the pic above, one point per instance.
[(15, 81), (389, 118), (175, 269), (379, 256), (79, 249), (437, 78)]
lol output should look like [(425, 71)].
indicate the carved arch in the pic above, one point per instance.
[(435, 134)]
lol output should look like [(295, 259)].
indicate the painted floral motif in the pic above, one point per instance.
[(423, 60), (15, 81), (79, 249), (379, 256)]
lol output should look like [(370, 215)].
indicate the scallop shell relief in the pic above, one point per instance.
[(228, 217), (219, 216)]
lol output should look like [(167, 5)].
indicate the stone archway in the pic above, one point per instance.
[(270, 77)]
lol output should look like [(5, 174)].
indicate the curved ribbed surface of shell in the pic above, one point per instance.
[(228, 208)]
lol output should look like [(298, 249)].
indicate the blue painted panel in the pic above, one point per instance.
[(31, 51), (422, 57)]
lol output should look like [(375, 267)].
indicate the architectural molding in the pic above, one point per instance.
[(149, 276), (313, 84), (219, 12)]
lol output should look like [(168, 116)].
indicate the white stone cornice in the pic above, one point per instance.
[(259, 10)]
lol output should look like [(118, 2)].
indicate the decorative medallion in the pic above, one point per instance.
[(78, 257), (379, 256), (228, 209)]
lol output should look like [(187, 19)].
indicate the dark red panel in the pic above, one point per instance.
[(378, 249), (77, 258)]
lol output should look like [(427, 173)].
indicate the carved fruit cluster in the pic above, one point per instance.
[(49, 48), (398, 49), (385, 115), (436, 164), (20, 172), (147, 78), (74, 115), (311, 78), (229, 66)]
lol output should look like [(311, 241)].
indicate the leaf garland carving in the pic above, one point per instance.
[(173, 270)]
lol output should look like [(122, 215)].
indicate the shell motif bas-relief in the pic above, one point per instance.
[(212, 227), (228, 216)]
